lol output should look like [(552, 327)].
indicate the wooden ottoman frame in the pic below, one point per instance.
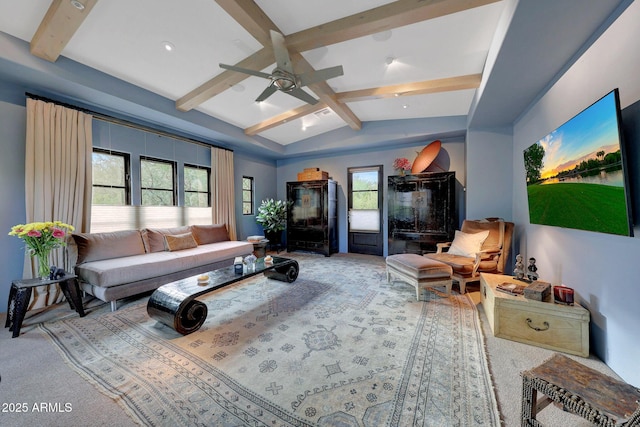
[(419, 271)]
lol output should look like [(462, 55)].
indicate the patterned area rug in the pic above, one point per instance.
[(338, 347)]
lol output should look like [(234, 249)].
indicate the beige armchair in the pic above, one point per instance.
[(469, 263)]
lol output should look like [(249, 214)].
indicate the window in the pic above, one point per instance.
[(247, 195), (196, 186), (110, 178), (157, 182)]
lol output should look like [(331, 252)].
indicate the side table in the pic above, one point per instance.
[(20, 294), (260, 247), (583, 391)]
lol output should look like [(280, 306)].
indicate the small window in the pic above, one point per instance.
[(247, 195), (157, 182), (110, 178), (197, 192)]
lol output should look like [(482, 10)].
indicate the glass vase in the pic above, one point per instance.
[(43, 266)]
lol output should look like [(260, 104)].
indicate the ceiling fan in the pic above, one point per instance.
[(283, 78)]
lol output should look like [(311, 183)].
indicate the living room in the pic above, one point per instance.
[(487, 158)]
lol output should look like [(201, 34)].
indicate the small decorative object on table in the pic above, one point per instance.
[(538, 290), (532, 270), (250, 262), (40, 239), (518, 270), (401, 165), (511, 288), (563, 295), (203, 280), (268, 259), (237, 265)]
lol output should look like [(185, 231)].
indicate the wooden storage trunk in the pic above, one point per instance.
[(540, 323), (312, 175)]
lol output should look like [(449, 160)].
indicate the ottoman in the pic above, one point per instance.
[(419, 271)]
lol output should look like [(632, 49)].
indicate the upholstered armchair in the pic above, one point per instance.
[(481, 246)]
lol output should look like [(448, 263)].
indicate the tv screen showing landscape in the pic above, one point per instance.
[(576, 175)]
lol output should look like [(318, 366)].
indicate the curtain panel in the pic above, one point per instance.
[(57, 178), (222, 188)]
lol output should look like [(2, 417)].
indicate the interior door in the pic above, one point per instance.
[(365, 210)]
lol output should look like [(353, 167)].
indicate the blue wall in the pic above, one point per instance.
[(603, 269)]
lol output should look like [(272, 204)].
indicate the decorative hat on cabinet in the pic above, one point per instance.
[(426, 157)]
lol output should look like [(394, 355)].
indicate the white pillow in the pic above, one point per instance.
[(465, 244)]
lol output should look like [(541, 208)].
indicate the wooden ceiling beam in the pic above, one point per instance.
[(387, 17), (283, 118), (223, 81), (470, 81), (258, 24), (251, 18), (57, 27)]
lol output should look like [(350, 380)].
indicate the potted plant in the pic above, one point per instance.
[(272, 215)]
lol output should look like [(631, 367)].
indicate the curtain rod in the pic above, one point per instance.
[(122, 122)]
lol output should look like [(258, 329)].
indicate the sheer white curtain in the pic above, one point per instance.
[(223, 198), (57, 177)]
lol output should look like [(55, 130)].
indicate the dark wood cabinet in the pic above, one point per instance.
[(312, 217), (421, 211)]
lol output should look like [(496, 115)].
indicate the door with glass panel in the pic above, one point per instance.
[(365, 210)]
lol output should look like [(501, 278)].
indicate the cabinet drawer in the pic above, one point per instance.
[(542, 328)]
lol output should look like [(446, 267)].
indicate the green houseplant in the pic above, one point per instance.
[(272, 215)]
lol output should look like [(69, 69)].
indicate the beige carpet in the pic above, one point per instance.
[(339, 346)]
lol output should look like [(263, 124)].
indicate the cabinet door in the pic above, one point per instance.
[(308, 205)]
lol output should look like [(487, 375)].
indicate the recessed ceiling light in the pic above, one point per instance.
[(405, 106), (390, 60), (77, 4), (168, 46)]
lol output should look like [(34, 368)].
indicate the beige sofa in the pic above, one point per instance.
[(120, 264)]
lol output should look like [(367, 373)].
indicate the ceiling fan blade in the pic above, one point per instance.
[(246, 71), (266, 93), (320, 75), (302, 95), (280, 50)]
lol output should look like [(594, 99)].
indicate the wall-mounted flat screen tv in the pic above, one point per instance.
[(576, 175)]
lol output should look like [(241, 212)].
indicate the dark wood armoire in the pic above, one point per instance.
[(422, 211), (312, 217)]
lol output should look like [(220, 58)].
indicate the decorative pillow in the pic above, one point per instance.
[(155, 237), (179, 242), (116, 244), (213, 233), (467, 245)]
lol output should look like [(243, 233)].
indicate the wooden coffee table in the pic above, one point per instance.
[(175, 304)]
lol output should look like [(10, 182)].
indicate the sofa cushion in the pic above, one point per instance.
[(155, 237), (115, 244), (179, 242), (467, 244), (213, 233), (114, 272)]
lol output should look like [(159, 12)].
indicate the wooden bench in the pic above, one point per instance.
[(602, 400)]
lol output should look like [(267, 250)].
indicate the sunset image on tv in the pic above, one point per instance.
[(575, 175)]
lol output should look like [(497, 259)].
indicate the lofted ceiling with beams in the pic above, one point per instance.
[(402, 59), (414, 70)]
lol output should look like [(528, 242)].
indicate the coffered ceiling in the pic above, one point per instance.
[(402, 59), (414, 70)]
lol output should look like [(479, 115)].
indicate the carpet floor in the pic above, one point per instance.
[(339, 346)]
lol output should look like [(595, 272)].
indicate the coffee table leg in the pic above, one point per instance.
[(284, 273), (20, 308)]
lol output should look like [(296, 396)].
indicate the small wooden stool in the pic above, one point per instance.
[(602, 400), (419, 271)]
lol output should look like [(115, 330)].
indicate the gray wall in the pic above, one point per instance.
[(604, 269)]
